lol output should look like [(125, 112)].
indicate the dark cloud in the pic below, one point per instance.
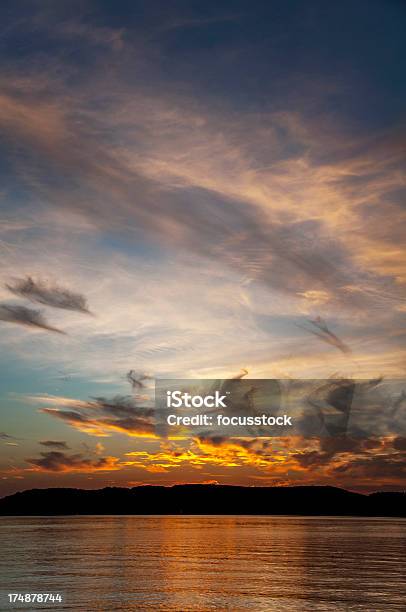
[(136, 379), (398, 402), (57, 297), (379, 466), (66, 415), (358, 408), (332, 394), (399, 443), (57, 461), (21, 315), (312, 459), (324, 333), (4, 436), (101, 416), (55, 444), (335, 447), (256, 446), (213, 440)]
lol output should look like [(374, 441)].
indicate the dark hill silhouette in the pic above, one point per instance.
[(204, 499)]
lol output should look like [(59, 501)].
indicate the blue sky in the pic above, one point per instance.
[(208, 178)]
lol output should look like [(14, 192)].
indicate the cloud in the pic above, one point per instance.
[(384, 467), (136, 380), (238, 200), (28, 317), (57, 461), (398, 402), (337, 460), (399, 443), (353, 462), (231, 453), (91, 35), (57, 297), (243, 373), (297, 251), (285, 201), (5, 436), (322, 331), (102, 417), (55, 444), (329, 448)]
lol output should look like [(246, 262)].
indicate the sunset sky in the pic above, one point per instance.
[(185, 187)]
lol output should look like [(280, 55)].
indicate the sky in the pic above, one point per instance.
[(195, 189)]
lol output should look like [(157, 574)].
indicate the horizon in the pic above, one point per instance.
[(215, 484), (204, 500)]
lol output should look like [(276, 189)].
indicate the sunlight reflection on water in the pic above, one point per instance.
[(179, 563)]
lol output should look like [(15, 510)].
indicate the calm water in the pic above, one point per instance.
[(207, 563)]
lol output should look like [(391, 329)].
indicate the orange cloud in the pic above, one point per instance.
[(336, 461), (58, 461)]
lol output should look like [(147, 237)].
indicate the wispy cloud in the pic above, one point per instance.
[(12, 313), (60, 444), (102, 417), (246, 212), (137, 380), (57, 297), (5, 436), (320, 329), (58, 461)]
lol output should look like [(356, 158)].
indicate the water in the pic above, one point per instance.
[(180, 563)]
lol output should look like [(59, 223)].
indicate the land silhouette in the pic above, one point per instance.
[(204, 499)]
